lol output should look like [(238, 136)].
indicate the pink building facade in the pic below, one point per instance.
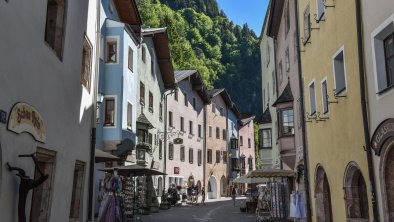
[(184, 164), (246, 143)]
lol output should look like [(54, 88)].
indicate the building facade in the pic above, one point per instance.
[(216, 164), (47, 109), (233, 151), (330, 67), (247, 149), (378, 20), (186, 121), (268, 125)]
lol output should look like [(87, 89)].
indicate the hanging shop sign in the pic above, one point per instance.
[(384, 131), (25, 118), (178, 141)]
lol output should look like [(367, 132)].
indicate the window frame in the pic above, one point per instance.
[(218, 156), (56, 47), (281, 126), (336, 54), (186, 101), (389, 77), (307, 29), (143, 53), (142, 93), (170, 119), (320, 14), (312, 98), (199, 157), (109, 97), (210, 131), (150, 102), (108, 40), (199, 130), (209, 156), (325, 103), (182, 153), (170, 151), (250, 142), (191, 156), (217, 133), (129, 118), (130, 61), (87, 49), (263, 139), (182, 124), (191, 127), (224, 136)]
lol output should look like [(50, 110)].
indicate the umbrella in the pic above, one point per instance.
[(245, 179), (269, 173), (101, 156), (133, 170)]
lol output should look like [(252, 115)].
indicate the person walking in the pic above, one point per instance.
[(203, 195), (233, 195)]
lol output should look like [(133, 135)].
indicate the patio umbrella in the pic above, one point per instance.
[(270, 173), (101, 156), (245, 179), (133, 170)]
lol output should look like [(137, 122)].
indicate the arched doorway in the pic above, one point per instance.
[(223, 186), (212, 188), (160, 186), (388, 180), (322, 196), (356, 199)]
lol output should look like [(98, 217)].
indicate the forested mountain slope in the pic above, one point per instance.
[(203, 38)]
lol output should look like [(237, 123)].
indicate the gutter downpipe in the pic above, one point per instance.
[(204, 147), (165, 135), (94, 113), (303, 128), (364, 111)]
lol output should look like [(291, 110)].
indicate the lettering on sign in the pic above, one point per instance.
[(382, 133), (25, 118)]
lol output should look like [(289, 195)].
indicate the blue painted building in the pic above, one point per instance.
[(233, 142)]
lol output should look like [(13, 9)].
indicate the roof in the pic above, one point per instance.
[(196, 81), (275, 17), (128, 13), (223, 92), (265, 117), (245, 118), (142, 119), (163, 53), (286, 96)]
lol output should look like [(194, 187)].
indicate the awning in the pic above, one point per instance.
[(101, 156), (133, 170), (245, 179), (270, 173)]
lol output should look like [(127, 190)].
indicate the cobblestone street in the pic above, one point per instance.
[(222, 210)]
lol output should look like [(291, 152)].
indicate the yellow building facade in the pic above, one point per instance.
[(338, 169)]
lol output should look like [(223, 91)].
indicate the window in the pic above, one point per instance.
[(191, 155), (234, 143), (213, 108), (182, 124), (186, 103), (182, 154), (142, 93), (321, 9), (287, 122), (287, 18), (287, 59), (112, 51), (170, 119), (217, 156), (199, 157), (221, 111), (79, 176), (307, 24), (312, 98), (130, 60), (194, 104), (266, 138), (209, 156), (170, 151), (225, 156), (191, 127), (280, 72), (234, 164), (142, 135), (241, 140), (217, 133), (160, 149), (250, 163), (176, 95), (389, 59), (150, 138), (249, 143), (54, 28), (143, 54), (152, 67), (339, 72), (273, 83), (161, 111), (129, 116), (210, 131), (199, 131), (324, 94), (102, 47), (109, 119), (86, 62), (224, 134), (150, 102), (243, 162), (42, 194)]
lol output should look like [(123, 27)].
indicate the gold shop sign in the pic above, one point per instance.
[(384, 131), (25, 118)]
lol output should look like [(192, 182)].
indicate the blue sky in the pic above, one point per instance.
[(245, 11)]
